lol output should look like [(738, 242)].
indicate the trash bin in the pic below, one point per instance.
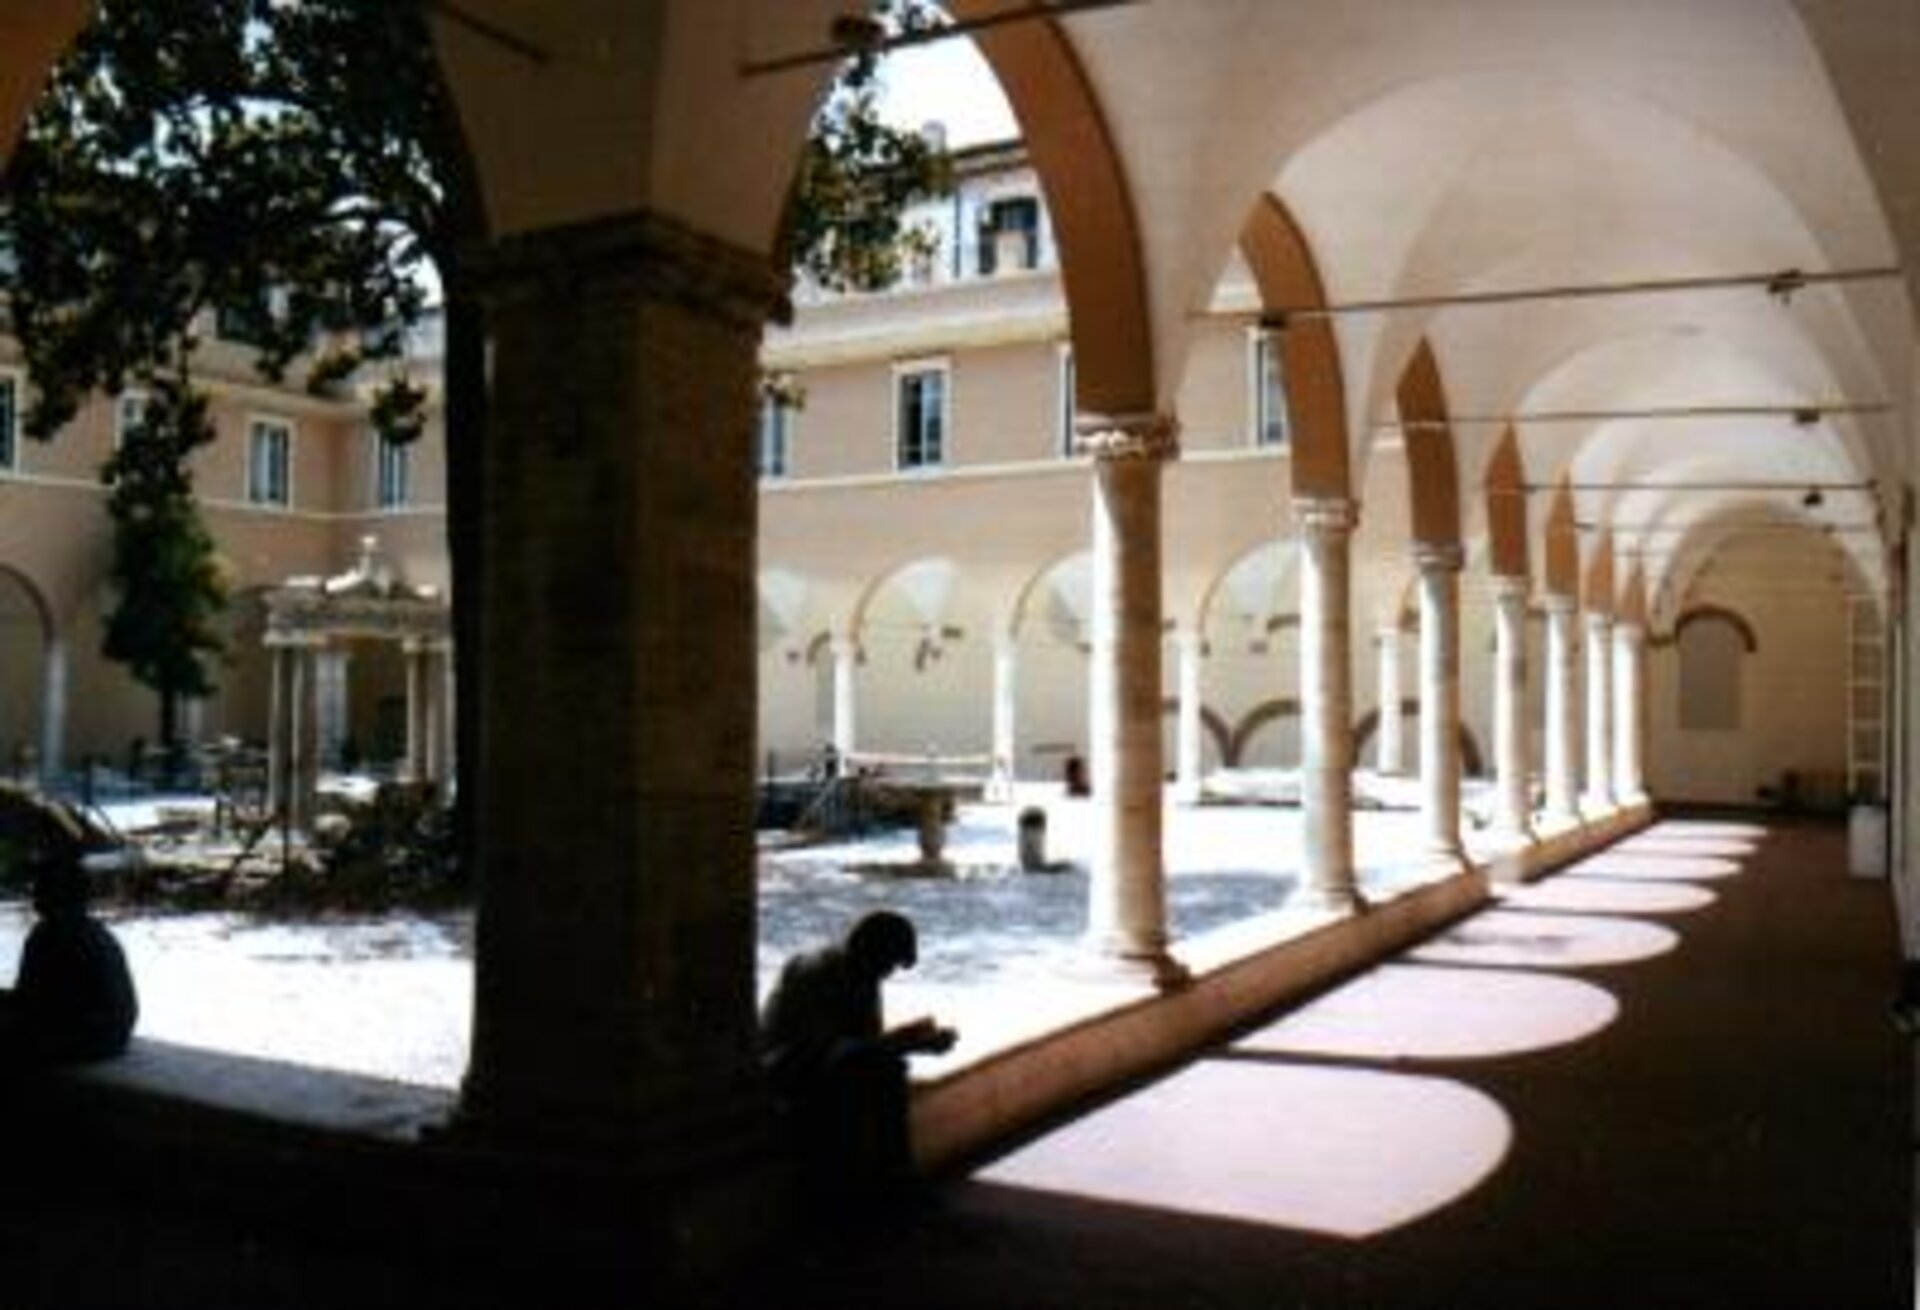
[(1033, 840), (1867, 841)]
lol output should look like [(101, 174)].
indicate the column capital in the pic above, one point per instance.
[(1325, 516), (843, 647), (1188, 639), (1438, 556), (1511, 588), (1599, 619), (1559, 602), (294, 641), (1142, 436), (636, 253), (1388, 634)]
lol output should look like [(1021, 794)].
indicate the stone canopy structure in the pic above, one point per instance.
[(312, 626)]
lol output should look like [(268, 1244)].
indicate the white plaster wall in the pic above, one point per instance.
[(1793, 703)]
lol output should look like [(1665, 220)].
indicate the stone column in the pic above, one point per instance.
[(279, 705), (304, 736), (846, 660), (1390, 752), (331, 672), (1006, 655), (1599, 796), (1187, 740), (614, 945), (419, 688), (1127, 910), (53, 710), (1328, 880), (1513, 799), (447, 737), (432, 713), (1439, 566), (1629, 695), (1563, 708)]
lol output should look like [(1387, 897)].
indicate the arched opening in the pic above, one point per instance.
[(25, 635)]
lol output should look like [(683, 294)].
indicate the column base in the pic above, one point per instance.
[(1185, 794), (1596, 806), (654, 1205), (1515, 832), (1330, 900), (1157, 969)]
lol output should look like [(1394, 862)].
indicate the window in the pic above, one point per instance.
[(129, 414), (1068, 447), (920, 416), (1010, 235), (9, 422), (776, 434), (250, 323), (1269, 389), (392, 473), (269, 461)]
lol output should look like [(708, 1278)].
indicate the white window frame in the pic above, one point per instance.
[(256, 423), (13, 381), (1264, 344), (776, 416), (401, 455), (902, 370), (1064, 410), (131, 396)]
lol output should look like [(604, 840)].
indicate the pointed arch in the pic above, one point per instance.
[(1506, 488), (1102, 269), (1633, 597), (1431, 466), (33, 33), (1276, 252), (1600, 578), (1562, 545)]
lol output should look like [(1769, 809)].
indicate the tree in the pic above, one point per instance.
[(169, 586)]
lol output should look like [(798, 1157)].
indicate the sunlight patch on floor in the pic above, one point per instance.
[(1344, 1152), (1525, 940), (1574, 893), (1624, 862), (1420, 1012)]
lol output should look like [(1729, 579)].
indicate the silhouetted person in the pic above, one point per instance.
[(73, 998), (839, 1072)]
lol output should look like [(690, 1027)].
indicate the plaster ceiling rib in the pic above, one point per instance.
[(1803, 415), (1545, 488), (854, 34), (1781, 284), (1763, 528)]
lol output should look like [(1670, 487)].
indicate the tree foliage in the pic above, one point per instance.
[(169, 584), (263, 162), (848, 225)]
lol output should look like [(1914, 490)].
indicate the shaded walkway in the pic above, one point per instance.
[(1664, 1077)]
